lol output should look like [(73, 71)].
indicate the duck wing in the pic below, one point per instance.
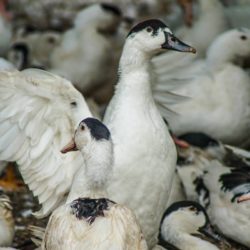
[(38, 115)]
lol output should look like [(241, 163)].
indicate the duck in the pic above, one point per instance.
[(217, 176), (89, 44), (33, 49), (7, 224), (186, 225), (212, 93), (139, 131), (89, 219), (51, 100)]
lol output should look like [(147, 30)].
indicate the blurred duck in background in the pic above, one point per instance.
[(218, 88), (85, 54)]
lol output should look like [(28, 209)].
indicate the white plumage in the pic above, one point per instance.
[(34, 105), (218, 91), (144, 151), (85, 55)]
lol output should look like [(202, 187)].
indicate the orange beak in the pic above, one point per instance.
[(244, 197), (71, 146)]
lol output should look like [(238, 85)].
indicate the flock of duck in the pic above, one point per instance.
[(164, 164)]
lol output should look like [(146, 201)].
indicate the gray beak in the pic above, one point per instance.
[(173, 43), (209, 231)]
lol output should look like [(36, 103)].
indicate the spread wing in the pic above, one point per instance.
[(38, 114)]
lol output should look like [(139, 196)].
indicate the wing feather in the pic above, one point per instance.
[(36, 121)]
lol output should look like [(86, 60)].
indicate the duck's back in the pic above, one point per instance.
[(73, 227)]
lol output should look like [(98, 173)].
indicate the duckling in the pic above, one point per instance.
[(213, 92), (88, 44), (89, 220), (6, 221), (186, 225), (143, 146)]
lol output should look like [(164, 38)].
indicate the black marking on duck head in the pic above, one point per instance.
[(181, 204), (200, 140), (89, 209), (154, 24), (112, 9), (97, 129)]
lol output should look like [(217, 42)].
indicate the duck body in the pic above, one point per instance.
[(214, 91), (94, 224), (225, 185), (144, 127)]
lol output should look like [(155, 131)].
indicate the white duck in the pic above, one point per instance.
[(219, 92), (85, 54), (51, 101), (186, 226), (89, 220), (6, 221), (218, 176), (35, 49), (144, 151)]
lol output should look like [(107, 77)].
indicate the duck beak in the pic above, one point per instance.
[(209, 231), (244, 197), (71, 146), (173, 43)]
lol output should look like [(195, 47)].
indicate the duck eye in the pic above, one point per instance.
[(73, 104), (192, 208), (173, 39), (243, 37), (82, 127), (149, 29)]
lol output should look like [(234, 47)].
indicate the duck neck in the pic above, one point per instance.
[(134, 70), (219, 54), (91, 180)]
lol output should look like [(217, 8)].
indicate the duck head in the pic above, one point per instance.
[(88, 132), (153, 36), (187, 217)]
